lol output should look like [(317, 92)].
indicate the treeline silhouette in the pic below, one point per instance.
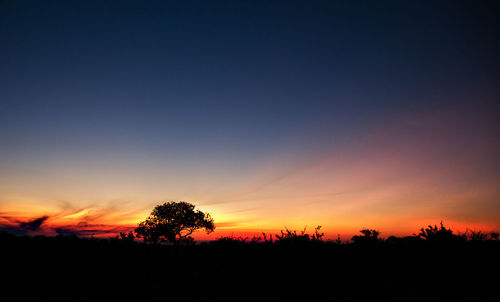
[(433, 265)]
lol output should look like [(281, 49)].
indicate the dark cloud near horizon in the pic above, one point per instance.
[(37, 226), (77, 231), (34, 224), (15, 226)]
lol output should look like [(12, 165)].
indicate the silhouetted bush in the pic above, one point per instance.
[(403, 240), (126, 237), (369, 236), (292, 237), (439, 235), (473, 235), (229, 241)]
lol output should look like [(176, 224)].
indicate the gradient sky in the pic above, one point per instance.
[(348, 114)]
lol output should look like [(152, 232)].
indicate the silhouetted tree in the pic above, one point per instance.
[(174, 222), (368, 236)]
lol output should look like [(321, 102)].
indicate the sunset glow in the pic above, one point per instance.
[(396, 177)]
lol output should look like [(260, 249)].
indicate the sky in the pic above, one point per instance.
[(265, 114)]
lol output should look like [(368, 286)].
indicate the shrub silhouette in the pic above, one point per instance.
[(441, 234), (266, 239), (403, 240), (292, 237), (174, 222), (126, 237), (230, 241), (473, 235), (369, 236)]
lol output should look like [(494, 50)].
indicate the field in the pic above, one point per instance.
[(72, 269)]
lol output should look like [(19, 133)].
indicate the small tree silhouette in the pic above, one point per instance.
[(368, 236), (174, 222)]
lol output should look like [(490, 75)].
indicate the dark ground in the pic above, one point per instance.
[(72, 269)]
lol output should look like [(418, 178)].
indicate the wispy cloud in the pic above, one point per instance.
[(91, 220)]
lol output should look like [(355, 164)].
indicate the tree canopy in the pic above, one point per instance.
[(174, 222)]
